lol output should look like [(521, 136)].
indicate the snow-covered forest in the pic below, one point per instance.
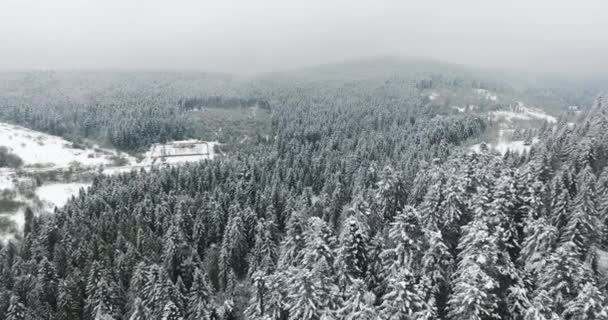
[(366, 202)]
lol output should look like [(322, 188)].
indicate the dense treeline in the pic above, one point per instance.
[(131, 110), (129, 124), (128, 111), (261, 234), (222, 102), (363, 207)]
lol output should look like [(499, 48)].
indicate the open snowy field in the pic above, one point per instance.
[(503, 146), (42, 152), (169, 155), (40, 149), (488, 95), (521, 112), (58, 194)]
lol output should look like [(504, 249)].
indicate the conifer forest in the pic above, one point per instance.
[(262, 162)]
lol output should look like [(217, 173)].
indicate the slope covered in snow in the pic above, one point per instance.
[(40, 149), (47, 154)]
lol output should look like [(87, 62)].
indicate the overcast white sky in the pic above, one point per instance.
[(256, 35)]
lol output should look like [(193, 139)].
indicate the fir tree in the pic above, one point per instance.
[(16, 310), (589, 304), (359, 304)]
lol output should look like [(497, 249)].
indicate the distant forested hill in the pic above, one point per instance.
[(131, 110)]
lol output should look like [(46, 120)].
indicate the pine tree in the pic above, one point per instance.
[(537, 246), (171, 312), (437, 265), (103, 302), (474, 284), (233, 251), (264, 254), (276, 306), (257, 304), (309, 295), (407, 234), (319, 248), (584, 226), (359, 304), (453, 213), (139, 311), (47, 280), (561, 278), (293, 241), (560, 209), (200, 297), (402, 299), (28, 226), (352, 253), (70, 301), (589, 304), (431, 212), (16, 310), (174, 250), (391, 193), (500, 216)]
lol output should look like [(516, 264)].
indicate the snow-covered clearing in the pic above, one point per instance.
[(470, 107), (6, 179), (18, 221), (58, 194), (504, 144), (502, 147), (487, 94), (42, 153), (37, 148), (459, 109), (521, 112)]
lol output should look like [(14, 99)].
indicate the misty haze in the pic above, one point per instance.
[(316, 160)]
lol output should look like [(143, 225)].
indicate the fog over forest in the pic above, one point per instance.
[(257, 36), (303, 160)]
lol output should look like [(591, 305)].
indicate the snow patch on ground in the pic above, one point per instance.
[(18, 221), (49, 196), (504, 144), (574, 109), (433, 96), (488, 95), (602, 262), (6, 180), (58, 194), (502, 147)]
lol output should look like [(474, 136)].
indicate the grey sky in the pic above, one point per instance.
[(256, 35)]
